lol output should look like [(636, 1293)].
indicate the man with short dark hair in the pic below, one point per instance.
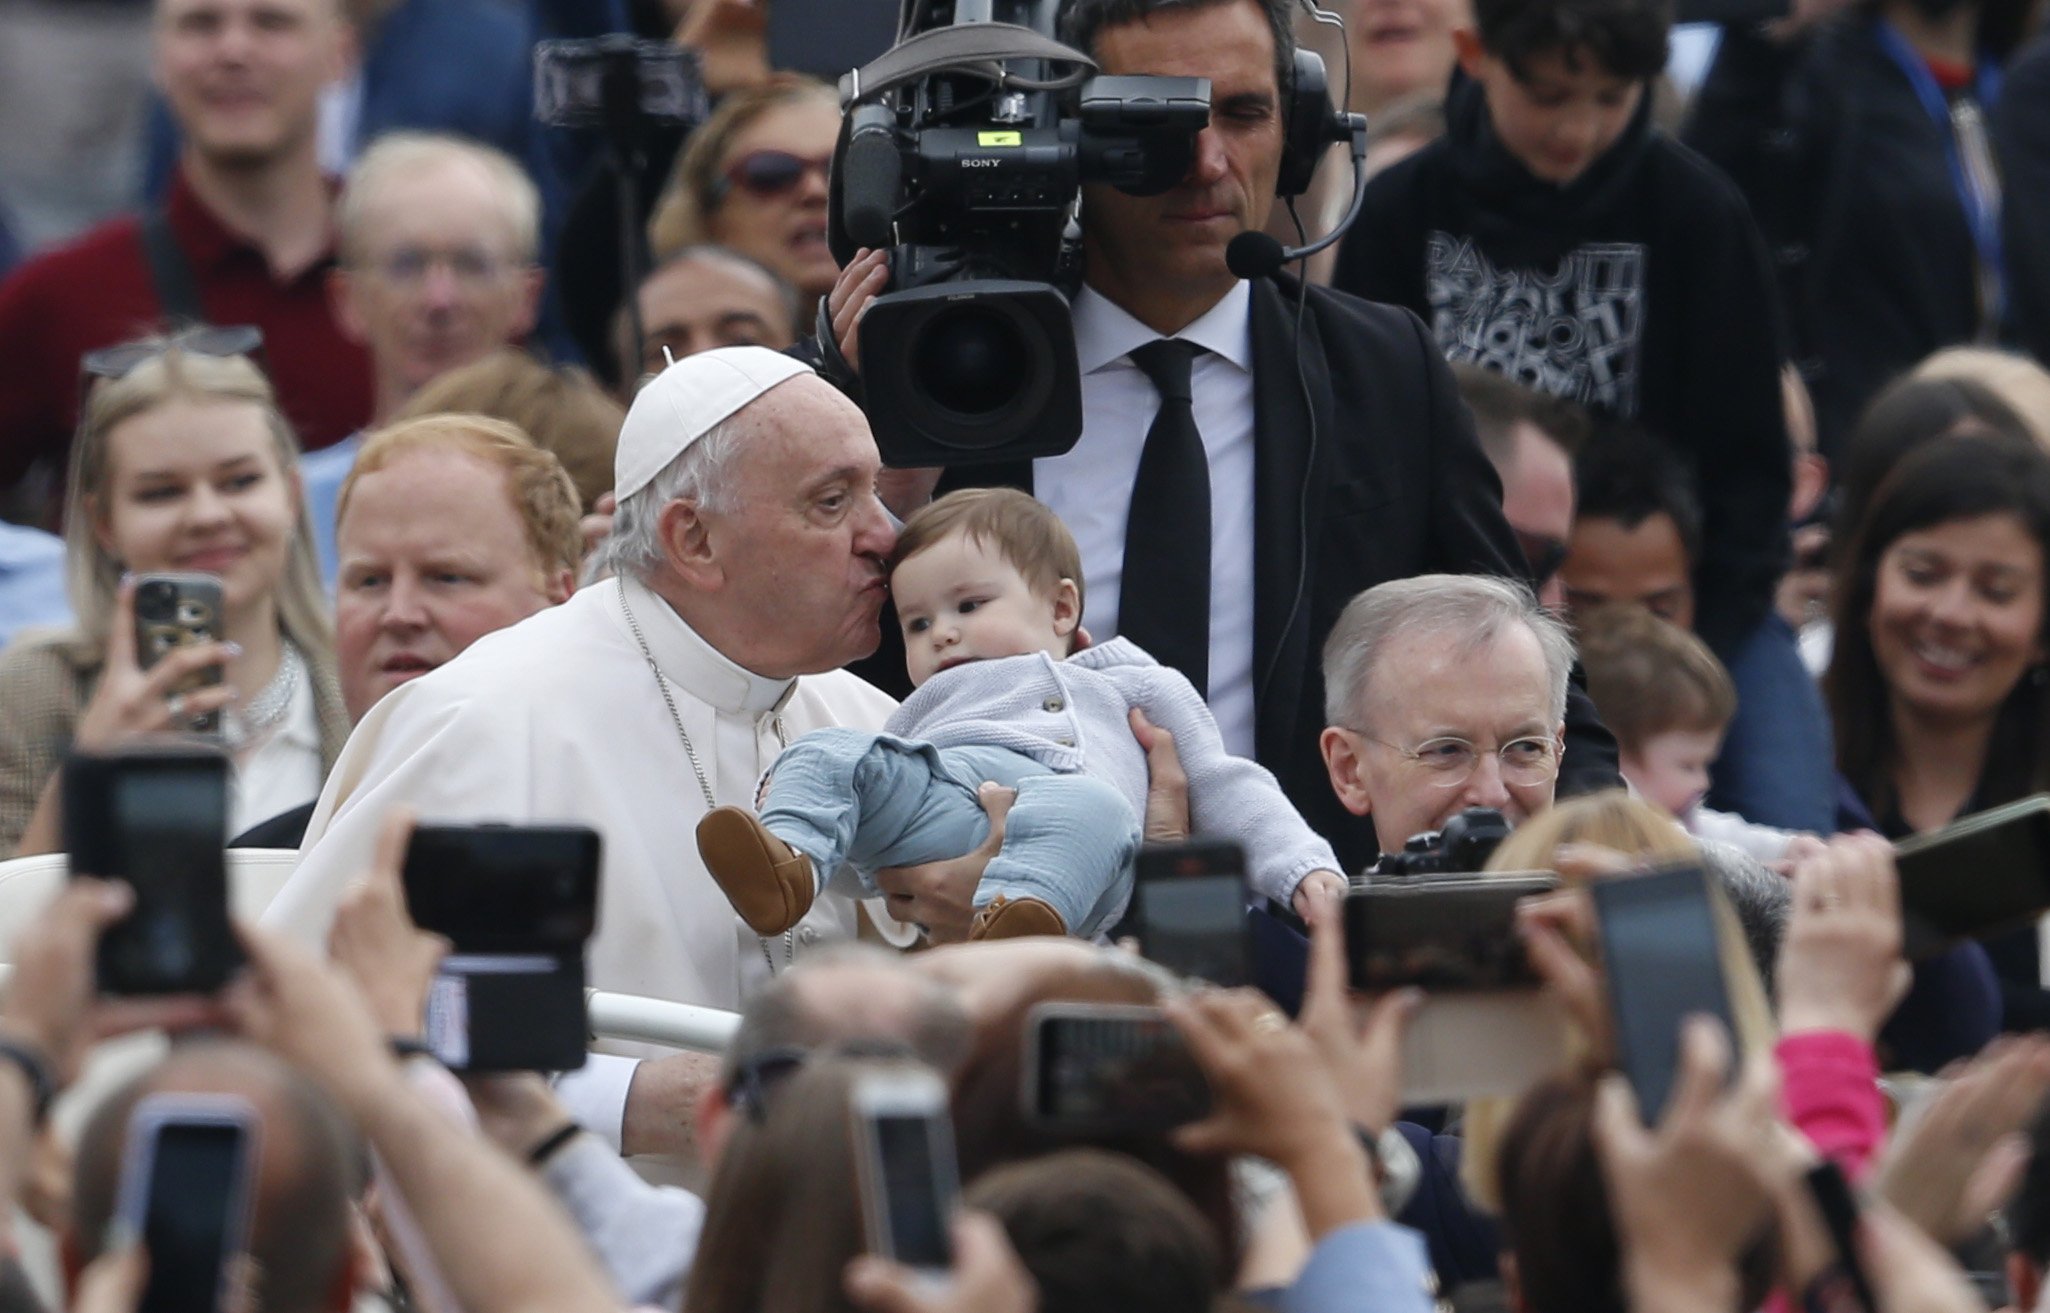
[(702, 297), (245, 236), (1530, 439), (1238, 478)]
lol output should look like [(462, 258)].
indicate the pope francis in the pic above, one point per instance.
[(748, 550)]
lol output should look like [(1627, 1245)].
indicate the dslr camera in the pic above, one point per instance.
[(1463, 847), (963, 152)]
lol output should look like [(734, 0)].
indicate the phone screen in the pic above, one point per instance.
[(1442, 936), (1660, 954), (1196, 925), (159, 823), (1987, 875), (497, 887), (918, 1186), (1124, 1069), (193, 1214)]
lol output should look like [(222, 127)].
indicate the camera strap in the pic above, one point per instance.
[(170, 272), (979, 48)]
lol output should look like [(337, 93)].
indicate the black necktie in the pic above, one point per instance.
[(1164, 601)]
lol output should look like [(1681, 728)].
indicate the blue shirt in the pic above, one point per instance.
[(323, 472), (31, 580)]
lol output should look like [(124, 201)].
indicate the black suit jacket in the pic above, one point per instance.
[(1366, 469)]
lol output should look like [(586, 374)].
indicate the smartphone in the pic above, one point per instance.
[(1100, 1068), (904, 1162), (186, 1186), (1442, 933), (1985, 873), (1189, 909), (155, 814), (1663, 962), (518, 904), (174, 611), (661, 82)]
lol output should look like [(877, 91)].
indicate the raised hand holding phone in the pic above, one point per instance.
[(1688, 1195)]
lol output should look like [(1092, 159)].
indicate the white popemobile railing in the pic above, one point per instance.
[(256, 874)]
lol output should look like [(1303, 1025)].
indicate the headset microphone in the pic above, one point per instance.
[(1255, 254)]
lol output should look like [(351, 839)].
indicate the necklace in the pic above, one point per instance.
[(263, 713), (690, 750)]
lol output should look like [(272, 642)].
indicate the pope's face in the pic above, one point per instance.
[(799, 547)]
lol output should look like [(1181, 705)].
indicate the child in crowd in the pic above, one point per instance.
[(1555, 235), (1668, 701), (988, 588)]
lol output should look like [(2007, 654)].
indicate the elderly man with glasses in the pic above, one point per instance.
[(1444, 692)]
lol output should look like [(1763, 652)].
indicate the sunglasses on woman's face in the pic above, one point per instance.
[(769, 173)]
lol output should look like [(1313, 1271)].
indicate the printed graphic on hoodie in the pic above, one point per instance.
[(1573, 333)]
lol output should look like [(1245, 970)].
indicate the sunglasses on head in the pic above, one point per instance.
[(768, 173), (1545, 556), (207, 340)]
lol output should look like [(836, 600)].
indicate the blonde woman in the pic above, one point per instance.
[(753, 179), (182, 463)]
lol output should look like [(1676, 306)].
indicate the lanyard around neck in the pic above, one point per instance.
[(1966, 152)]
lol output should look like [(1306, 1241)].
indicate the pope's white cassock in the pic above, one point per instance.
[(559, 718)]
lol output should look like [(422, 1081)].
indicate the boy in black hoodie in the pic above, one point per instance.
[(1554, 235)]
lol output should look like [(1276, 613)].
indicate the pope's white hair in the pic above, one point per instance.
[(703, 473)]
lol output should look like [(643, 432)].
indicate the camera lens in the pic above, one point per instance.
[(973, 361)]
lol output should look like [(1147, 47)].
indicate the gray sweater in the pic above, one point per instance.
[(1072, 716)]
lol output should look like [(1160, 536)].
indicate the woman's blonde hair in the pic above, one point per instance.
[(683, 213), (1640, 831), (93, 576), (560, 408), (2019, 381)]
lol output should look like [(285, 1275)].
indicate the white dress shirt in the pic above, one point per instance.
[(558, 718), (1090, 487)]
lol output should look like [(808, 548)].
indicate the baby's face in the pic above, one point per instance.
[(1671, 769), (959, 600)]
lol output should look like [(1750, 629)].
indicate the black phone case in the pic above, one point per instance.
[(177, 939), (174, 611), (1450, 933)]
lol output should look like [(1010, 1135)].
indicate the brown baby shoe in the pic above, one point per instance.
[(768, 882), (1014, 918)]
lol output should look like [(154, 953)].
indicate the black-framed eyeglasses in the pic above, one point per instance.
[(755, 1077), (220, 342), (1544, 555), (748, 1088)]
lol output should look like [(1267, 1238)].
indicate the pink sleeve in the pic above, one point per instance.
[(1829, 1091)]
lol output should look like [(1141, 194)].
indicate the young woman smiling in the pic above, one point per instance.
[(1938, 687), (182, 463)]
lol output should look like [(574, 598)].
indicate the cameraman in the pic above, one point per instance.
[(1444, 692), (1249, 517)]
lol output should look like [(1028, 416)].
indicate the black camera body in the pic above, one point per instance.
[(1463, 847), (968, 167)]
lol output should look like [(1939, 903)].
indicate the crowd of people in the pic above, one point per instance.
[(1656, 468)]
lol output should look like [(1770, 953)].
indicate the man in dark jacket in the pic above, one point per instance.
[(2021, 130), (1321, 459), (1554, 235)]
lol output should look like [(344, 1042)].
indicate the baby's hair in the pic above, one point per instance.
[(1648, 676), (1022, 530)]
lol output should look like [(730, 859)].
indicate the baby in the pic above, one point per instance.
[(988, 589), (1668, 701)]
